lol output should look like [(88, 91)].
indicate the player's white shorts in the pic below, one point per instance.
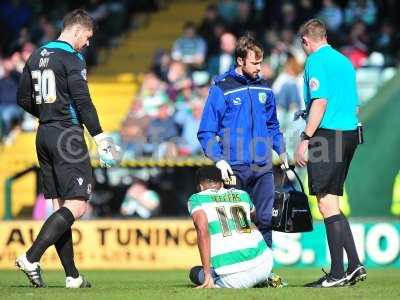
[(248, 278)]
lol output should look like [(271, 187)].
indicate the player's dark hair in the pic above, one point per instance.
[(315, 29), (248, 43), (209, 173), (80, 17)]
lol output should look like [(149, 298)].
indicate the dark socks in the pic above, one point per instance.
[(335, 234), (349, 246), (51, 231), (65, 251)]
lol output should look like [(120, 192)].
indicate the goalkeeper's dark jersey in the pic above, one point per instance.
[(53, 87)]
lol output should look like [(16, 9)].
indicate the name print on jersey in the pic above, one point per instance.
[(43, 62)]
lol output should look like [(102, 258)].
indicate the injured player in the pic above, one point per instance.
[(233, 253)]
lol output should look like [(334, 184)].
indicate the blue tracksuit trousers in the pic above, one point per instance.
[(259, 183)]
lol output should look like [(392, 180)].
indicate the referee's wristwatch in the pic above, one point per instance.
[(304, 136)]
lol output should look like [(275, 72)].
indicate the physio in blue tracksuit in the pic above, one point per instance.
[(239, 128)]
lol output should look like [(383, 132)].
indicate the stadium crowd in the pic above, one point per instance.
[(165, 113), (26, 25)]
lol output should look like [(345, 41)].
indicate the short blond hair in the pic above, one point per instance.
[(80, 17), (314, 29)]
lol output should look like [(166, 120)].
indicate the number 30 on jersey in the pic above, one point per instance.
[(44, 84)]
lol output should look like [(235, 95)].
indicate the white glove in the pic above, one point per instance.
[(109, 152), (285, 166), (225, 168)]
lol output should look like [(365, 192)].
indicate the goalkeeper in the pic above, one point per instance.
[(53, 88), (233, 253)]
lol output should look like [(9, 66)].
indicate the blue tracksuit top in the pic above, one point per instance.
[(239, 122)]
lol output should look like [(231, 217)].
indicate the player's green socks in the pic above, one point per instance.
[(51, 231)]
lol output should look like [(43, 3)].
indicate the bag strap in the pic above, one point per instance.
[(285, 170)]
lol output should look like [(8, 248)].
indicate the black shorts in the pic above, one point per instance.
[(329, 156), (65, 169)]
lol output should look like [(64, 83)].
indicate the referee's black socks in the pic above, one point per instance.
[(54, 227), (335, 233), (349, 246)]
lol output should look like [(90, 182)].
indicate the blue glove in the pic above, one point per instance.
[(109, 152)]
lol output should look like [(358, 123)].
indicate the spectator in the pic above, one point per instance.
[(10, 113), (23, 37), (267, 73), (244, 22), (306, 11), (332, 15), (214, 46), (228, 10), (210, 22), (131, 137), (140, 201), (162, 133), (190, 48), (161, 64), (190, 125), (179, 82), (386, 42), (222, 62), (152, 94), (288, 99), (358, 44), (289, 15), (48, 30), (15, 14), (360, 10), (27, 50), (286, 90)]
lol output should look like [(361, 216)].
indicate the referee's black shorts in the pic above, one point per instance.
[(329, 156), (65, 169)]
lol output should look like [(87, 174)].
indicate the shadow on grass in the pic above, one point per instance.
[(182, 285), (34, 288)]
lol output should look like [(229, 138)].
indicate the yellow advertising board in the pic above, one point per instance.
[(110, 244)]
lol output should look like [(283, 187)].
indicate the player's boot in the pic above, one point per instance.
[(31, 270), (358, 274), (76, 283), (327, 281), (273, 281)]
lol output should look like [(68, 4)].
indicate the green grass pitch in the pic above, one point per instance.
[(380, 284)]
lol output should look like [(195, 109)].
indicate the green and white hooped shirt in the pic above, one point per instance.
[(235, 245)]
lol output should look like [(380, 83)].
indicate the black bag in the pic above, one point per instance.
[(291, 212)]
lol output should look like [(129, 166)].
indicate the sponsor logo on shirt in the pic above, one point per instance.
[(44, 52), (237, 101)]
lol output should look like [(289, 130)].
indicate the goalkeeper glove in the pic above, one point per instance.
[(109, 152)]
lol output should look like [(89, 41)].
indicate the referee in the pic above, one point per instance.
[(330, 137), (54, 89)]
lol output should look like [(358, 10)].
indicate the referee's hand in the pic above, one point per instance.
[(301, 156)]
